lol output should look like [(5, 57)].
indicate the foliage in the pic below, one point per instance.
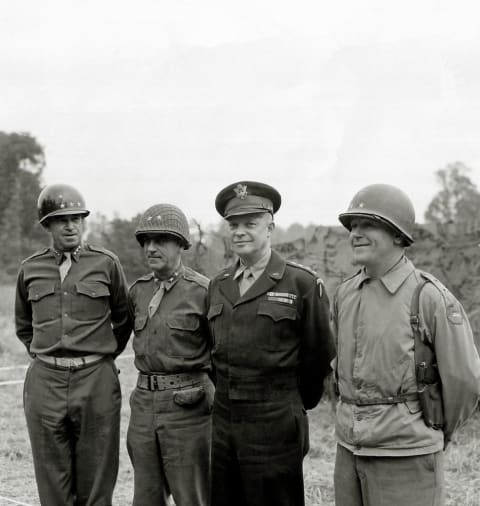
[(118, 236), (456, 207), (21, 164)]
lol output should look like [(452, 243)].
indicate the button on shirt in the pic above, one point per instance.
[(85, 314)]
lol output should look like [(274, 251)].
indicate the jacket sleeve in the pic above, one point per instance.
[(317, 346), (23, 312), (457, 357), (122, 323)]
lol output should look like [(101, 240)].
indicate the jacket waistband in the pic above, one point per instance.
[(71, 362), (394, 399), (169, 381), (257, 387)]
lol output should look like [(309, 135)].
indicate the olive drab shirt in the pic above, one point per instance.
[(375, 359), (175, 338), (278, 329), (85, 314)]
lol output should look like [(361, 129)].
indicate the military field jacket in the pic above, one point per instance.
[(85, 314), (175, 339), (375, 346), (278, 329)]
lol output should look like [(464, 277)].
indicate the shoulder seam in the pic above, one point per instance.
[(36, 254), (196, 277), (146, 277), (302, 267), (105, 251)]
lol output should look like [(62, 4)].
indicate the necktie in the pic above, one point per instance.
[(156, 299), (65, 265), (246, 281)]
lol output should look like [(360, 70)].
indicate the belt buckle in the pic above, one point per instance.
[(153, 382)]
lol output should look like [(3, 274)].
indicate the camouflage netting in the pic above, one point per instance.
[(455, 261)]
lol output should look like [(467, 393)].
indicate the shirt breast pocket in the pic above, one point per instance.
[(185, 336), (41, 296), (91, 300), (279, 324)]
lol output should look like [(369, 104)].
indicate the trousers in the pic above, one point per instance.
[(168, 441), (73, 420), (388, 481), (257, 451)]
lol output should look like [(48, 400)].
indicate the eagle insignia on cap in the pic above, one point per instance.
[(241, 191)]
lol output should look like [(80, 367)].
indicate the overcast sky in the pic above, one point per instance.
[(169, 101)]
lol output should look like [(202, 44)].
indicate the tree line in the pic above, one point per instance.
[(454, 210)]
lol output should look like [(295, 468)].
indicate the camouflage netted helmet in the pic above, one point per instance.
[(164, 219), (385, 203), (59, 200)]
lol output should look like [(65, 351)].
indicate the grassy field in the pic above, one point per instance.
[(17, 481)]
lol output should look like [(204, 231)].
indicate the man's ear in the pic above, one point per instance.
[(271, 226)]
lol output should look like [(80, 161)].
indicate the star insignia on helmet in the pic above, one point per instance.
[(62, 205), (159, 217), (361, 204), (150, 218), (241, 191)]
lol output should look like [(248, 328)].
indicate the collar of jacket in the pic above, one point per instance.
[(172, 280), (273, 272), (394, 278), (59, 254)]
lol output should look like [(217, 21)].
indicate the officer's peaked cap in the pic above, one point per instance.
[(247, 197)]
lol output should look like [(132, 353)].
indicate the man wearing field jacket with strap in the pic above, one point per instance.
[(389, 452)]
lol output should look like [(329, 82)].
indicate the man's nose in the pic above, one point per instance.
[(239, 230)]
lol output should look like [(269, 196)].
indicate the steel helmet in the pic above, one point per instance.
[(59, 200), (385, 203), (164, 219)]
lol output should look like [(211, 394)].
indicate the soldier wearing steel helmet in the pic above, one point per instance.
[(407, 371), (168, 436), (269, 321), (71, 314)]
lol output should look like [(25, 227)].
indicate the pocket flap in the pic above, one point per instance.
[(186, 322), (277, 312), (189, 397), (92, 289), (140, 322), (214, 310), (38, 291)]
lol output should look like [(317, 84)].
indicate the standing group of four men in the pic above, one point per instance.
[(261, 332)]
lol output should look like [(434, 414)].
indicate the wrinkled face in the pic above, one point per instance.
[(250, 235), (66, 231), (374, 245), (162, 252)]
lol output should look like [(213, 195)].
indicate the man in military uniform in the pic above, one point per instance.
[(71, 314), (392, 425), (170, 426), (269, 321)]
